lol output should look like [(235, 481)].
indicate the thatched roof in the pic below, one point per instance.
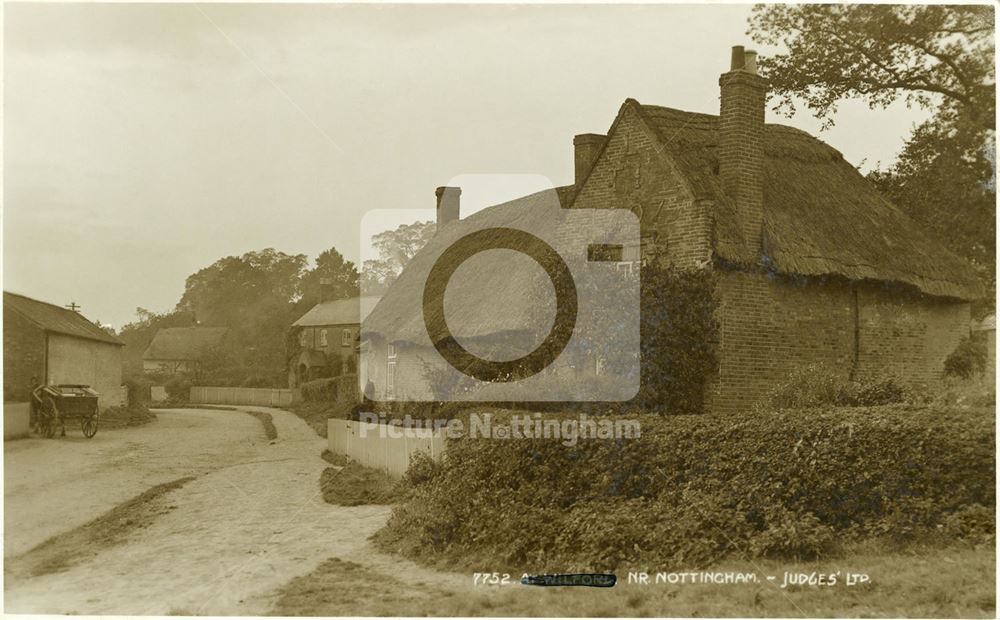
[(400, 311), (184, 343), (337, 312), (821, 216), (53, 318)]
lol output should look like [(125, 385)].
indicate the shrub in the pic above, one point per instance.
[(818, 385), (319, 390), (178, 388), (679, 332), (967, 360), (694, 489), (139, 391)]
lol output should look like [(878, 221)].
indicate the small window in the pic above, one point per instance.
[(322, 337), (302, 338), (346, 338)]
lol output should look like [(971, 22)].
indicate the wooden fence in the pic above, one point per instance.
[(265, 397), (380, 446)]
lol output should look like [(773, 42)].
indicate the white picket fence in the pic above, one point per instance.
[(264, 397), (380, 446)]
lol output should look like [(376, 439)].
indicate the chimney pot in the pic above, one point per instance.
[(448, 205), (737, 59), (750, 62), (586, 148)]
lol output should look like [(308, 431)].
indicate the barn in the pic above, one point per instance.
[(50, 344), (813, 265)]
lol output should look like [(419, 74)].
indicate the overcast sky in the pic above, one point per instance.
[(143, 142)]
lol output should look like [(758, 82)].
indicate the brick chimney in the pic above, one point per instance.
[(586, 148), (741, 142), (447, 205)]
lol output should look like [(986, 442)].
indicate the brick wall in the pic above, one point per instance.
[(906, 334), (23, 355), (631, 174), (338, 356), (770, 326)]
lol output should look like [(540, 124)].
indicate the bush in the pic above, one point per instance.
[(333, 389), (967, 360), (139, 392), (178, 388), (319, 390), (817, 385), (694, 489), (679, 332)]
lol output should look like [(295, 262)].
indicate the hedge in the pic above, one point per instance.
[(694, 489), (332, 389)]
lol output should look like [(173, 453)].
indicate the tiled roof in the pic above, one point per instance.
[(338, 312), (53, 318)]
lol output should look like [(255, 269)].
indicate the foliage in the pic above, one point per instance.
[(395, 248), (333, 277), (331, 389), (692, 490), (355, 485), (819, 385), (139, 391), (880, 53), (319, 390), (934, 56), (178, 388), (124, 416), (679, 332), (967, 360), (944, 180)]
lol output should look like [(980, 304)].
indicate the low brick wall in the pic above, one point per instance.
[(16, 421), (369, 444), (263, 397)]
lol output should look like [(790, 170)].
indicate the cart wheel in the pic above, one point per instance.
[(89, 425)]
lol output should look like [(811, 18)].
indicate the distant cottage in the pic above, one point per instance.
[(814, 265), (53, 345), (176, 350), (327, 338)]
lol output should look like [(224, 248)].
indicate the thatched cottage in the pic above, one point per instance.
[(814, 265)]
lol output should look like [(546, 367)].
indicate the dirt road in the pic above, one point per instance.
[(251, 521)]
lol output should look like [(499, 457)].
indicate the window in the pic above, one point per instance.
[(346, 338), (322, 337), (302, 338), (390, 372)]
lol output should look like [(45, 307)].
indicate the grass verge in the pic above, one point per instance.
[(316, 414), (355, 485), (266, 421), (335, 459), (951, 582), (86, 541), (122, 417)]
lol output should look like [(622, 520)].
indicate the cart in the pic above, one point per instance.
[(52, 405)]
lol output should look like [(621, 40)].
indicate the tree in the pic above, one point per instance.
[(254, 296), (395, 248), (943, 179), (934, 56), (333, 277), (937, 57)]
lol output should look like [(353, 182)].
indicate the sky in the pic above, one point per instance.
[(142, 142)]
